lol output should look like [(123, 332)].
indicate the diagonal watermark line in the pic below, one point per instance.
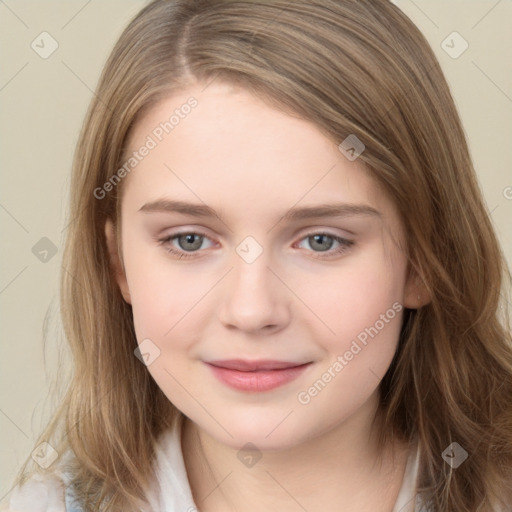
[(100, 399), (7, 493), (303, 196), (13, 77), (254, 34), (76, 14), (196, 195), (492, 81), (14, 423), (424, 13), (279, 424), (99, 99), (200, 404), (194, 305), (485, 15), (251, 43), (14, 218), (216, 487), (376, 376), (74, 219), (301, 301), (409, 505), (13, 279), (211, 81), (493, 210), (291, 496), (95, 299), (426, 74), (13, 13)]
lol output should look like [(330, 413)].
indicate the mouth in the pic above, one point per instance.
[(256, 376)]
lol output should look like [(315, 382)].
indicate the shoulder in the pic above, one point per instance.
[(43, 492), (40, 493)]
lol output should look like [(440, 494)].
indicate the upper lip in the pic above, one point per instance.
[(248, 366)]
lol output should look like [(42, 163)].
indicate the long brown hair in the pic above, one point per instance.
[(351, 67)]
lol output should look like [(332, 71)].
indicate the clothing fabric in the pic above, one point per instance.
[(171, 492)]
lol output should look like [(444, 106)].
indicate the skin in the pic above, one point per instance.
[(251, 163)]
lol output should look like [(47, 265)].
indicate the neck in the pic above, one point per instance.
[(343, 466)]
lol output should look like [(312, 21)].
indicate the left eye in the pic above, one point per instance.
[(323, 242), (185, 245)]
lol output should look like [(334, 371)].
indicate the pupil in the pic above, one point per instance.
[(319, 239), (194, 241)]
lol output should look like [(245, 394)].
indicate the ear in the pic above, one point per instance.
[(416, 294), (116, 265)]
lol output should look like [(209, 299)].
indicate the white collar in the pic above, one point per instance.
[(174, 494), (407, 498)]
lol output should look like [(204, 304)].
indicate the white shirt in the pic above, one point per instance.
[(47, 493)]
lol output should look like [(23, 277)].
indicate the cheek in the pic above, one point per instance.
[(355, 297), (365, 312), (162, 293), (166, 310)]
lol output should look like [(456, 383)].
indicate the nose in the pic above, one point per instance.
[(254, 300)]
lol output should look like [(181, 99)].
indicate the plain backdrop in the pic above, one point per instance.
[(43, 99)]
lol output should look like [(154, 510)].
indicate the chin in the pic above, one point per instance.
[(266, 432)]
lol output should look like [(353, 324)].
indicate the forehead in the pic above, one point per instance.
[(232, 148)]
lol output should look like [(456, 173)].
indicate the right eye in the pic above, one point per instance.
[(184, 244)]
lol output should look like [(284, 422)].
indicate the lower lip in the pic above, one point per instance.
[(257, 381)]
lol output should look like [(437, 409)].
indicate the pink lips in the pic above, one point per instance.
[(255, 376)]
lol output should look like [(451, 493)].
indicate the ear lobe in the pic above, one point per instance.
[(115, 262)]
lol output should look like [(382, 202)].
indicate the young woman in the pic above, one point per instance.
[(281, 286)]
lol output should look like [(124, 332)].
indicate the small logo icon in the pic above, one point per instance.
[(454, 45), (352, 147), (147, 352), (249, 455), (44, 250), (44, 45), (249, 249), (45, 455), (455, 455)]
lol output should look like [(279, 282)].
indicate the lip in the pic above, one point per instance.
[(256, 376)]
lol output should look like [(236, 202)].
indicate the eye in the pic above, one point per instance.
[(324, 242), (185, 244)]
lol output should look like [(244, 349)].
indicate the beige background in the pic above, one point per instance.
[(43, 102)]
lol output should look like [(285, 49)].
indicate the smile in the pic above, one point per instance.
[(256, 376)]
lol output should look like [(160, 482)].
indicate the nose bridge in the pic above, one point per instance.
[(253, 297), (251, 260), (251, 277)]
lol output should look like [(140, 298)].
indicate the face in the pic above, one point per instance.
[(263, 269)]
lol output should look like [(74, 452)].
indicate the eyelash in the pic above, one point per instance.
[(344, 244)]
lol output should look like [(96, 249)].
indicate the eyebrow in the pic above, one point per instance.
[(293, 214)]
